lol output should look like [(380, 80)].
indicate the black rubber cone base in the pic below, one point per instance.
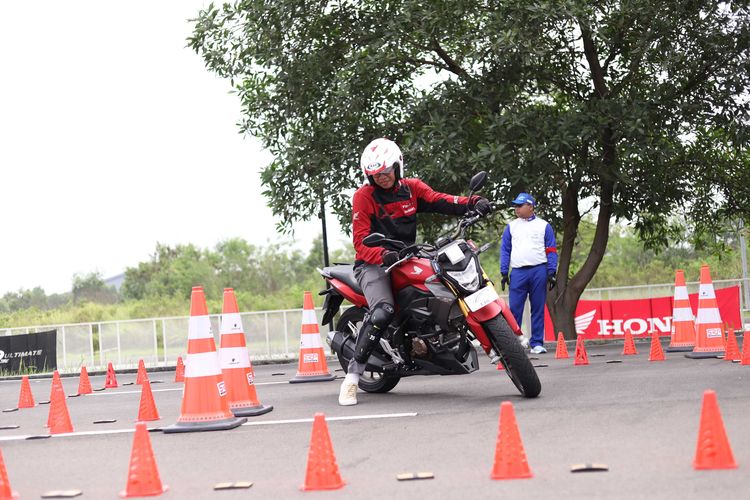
[(312, 378), (704, 355), (218, 425), (679, 349), (251, 411)]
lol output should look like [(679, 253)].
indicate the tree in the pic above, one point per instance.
[(617, 106), (91, 287)]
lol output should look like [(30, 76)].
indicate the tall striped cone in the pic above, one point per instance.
[(683, 322), (6, 493), (510, 457), (179, 372), (657, 353), (628, 348), (205, 406), (235, 362), (562, 349), (713, 450), (733, 349), (312, 365), (745, 348), (582, 357), (142, 376), (84, 383), (709, 338), (25, 398)]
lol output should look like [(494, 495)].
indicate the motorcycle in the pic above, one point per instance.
[(444, 302)]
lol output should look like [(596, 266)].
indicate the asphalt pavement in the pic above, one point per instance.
[(640, 418)]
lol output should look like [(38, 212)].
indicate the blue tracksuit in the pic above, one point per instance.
[(528, 249)]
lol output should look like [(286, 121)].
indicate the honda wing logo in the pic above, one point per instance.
[(584, 320), (417, 270)]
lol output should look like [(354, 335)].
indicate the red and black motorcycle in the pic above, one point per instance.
[(444, 301)]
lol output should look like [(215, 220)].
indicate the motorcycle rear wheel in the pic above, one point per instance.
[(350, 323), (515, 361)]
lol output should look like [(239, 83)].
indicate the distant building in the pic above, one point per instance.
[(115, 281)]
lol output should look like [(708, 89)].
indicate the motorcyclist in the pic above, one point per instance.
[(387, 203)]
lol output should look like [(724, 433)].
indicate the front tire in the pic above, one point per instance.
[(350, 324), (515, 361)]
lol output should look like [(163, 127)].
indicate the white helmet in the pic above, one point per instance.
[(381, 154)]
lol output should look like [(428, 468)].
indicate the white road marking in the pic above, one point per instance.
[(165, 390), (266, 422)]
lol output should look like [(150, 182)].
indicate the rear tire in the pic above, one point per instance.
[(350, 323), (513, 357)]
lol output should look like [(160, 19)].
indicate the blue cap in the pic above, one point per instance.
[(522, 199)]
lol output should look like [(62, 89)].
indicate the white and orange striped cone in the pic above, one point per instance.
[(709, 334), (312, 365), (235, 362), (205, 406), (683, 322)]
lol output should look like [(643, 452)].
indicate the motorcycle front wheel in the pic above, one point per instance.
[(515, 361), (350, 323)]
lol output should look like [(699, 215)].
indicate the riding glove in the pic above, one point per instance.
[(482, 206), (551, 281), (505, 281), (389, 258)]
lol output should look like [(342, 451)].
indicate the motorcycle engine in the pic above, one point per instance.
[(418, 347)]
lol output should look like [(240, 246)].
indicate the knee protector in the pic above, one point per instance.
[(377, 321)]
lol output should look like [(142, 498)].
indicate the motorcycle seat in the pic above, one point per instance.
[(344, 273)]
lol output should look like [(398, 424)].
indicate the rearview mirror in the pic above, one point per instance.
[(477, 181), (373, 240)]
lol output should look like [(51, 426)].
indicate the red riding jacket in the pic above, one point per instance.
[(393, 213)]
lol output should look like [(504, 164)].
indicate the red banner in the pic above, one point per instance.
[(602, 319)]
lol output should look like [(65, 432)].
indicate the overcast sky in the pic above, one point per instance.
[(114, 137)]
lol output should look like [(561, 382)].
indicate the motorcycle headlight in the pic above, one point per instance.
[(468, 279)]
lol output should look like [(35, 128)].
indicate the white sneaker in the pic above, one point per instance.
[(348, 394), (538, 349), (524, 341)]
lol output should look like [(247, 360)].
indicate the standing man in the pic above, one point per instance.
[(528, 249)]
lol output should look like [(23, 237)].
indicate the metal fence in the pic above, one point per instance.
[(270, 335)]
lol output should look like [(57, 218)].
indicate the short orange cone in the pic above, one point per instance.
[(562, 349), (143, 475), (733, 349), (745, 348), (709, 337), (6, 493), (142, 375), (179, 373), (713, 450), (322, 470), (312, 365), (25, 398), (683, 322), (84, 384), (628, 348), (510, 457), (147, 409), (205, 406), (111, 381), (59, 418), (657, 353), (582, 358), (235, 362)]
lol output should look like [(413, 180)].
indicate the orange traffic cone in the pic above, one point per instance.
[(147, 409), (59, 418), (25, 398), (111, 381), (205, 406), (84, 384), (562, 349), (6, 493), (235, 362), (628, 348), (713, 450), (510, 457), (322, 470), (709, 338), (143, 475), (657, 353), (733, 349), (179, 373), (142, 375), (683, 322), (312, 365), (745, 348), (582, 358)]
